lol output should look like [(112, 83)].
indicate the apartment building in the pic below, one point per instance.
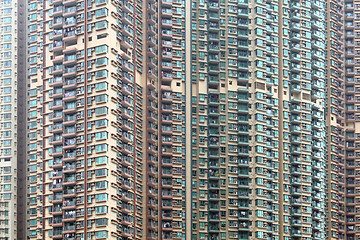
[(343, 120), (174, 119), (106, 128), (258, 128), (12, 120), (351, 128), (336, 99)]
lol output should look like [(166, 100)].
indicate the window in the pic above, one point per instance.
[(32, 189), (101, 172), (101, 184), (33, 38), (101, 86), (101, 61), (33, 6), (33, 70), (101, 123), (33, 16), (7, 178), (33, 222), (7, 72), (101, 24), (101, 209), (6, 151), (33, 49), (101, 49), (7, 46), (101, 222), (33, 27), (101, 135), (101, 12), (32, 114), (101, 73), (6, 143), (101, 110), (101, 98), (101, 147), (101, 160), (101, 197), (32, 92), (101, 234), (33, 60)]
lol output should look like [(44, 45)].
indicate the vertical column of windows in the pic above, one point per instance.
[(335, 121)]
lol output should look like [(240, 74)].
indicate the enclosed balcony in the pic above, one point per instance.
[(69, 216)]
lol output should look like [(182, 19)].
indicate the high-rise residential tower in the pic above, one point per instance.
[(106, 110), (336, 98), (258, 119), (343, 119), (12, 120), (176, 119)]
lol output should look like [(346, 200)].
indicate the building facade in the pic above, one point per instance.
[(106, 128), (259, 126), (13, 120), (175, 119), (336, 121)]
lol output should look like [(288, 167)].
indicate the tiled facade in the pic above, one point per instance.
[(336, 122), (343, 122), (12, 120), (259, 97), (174, 119), (220, 121), (106, 157)]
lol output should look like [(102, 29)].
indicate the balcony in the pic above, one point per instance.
[(69, 179), (69, 167), (213, 69), (69, 84), (70, 107), (296, 171), (69, 120), (295, 88), (243, 108), (69, 96), (213, 153), (57, 198), (57, 234), (57, 187), (69, 228), (243, 129), (296, 233), (69, 2), (69, 22), (213, 100), (213, 216), (243, 215), (213, 48), (213, 58), (213, 111), (213, 26), (69, 71), (69, 204), (213, 131), (243, 173), (69, 156), (69, 216), (243, 23), (213, 37), (244, 12)]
